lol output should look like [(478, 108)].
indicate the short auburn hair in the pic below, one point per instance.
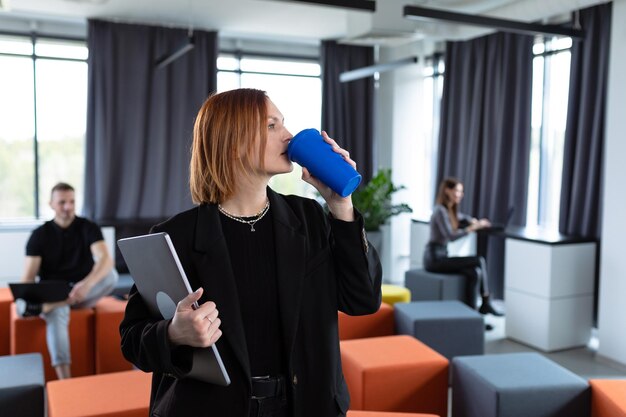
[(224, 142)]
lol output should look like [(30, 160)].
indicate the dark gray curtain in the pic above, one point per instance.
[(581, 200), (581, 186), (348, 108), (485, 130), (140, 119)]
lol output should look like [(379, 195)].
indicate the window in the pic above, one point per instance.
[(42, 121), (551, 67), (293, 84), (423, 191)]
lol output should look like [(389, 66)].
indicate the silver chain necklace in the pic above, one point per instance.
[(240, 219)]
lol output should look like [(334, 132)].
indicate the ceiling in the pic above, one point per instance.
[(286, 20)]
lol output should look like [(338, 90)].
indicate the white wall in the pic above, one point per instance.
[(398, 135), (397, 111), (612, 307), (12, 249)]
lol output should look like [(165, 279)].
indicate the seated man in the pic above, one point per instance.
[(66, 248)]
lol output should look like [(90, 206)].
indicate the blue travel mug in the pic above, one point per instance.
[(309, 150)]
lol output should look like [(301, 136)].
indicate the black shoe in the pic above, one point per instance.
[(27, 308), (488, 308)]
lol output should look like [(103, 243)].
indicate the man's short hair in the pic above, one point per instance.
[(61, 186)]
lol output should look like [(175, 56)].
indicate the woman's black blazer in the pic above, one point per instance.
[(323, 265)]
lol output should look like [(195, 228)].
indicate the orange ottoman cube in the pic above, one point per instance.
[(118, 394), (608, 397), (378, 324), (109, 312), (28, 335), (395, 373), (6, 298), (353, 413)]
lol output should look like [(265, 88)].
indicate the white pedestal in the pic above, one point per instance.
[(420, 234), (549, 292)]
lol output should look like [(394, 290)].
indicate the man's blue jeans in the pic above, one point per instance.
[(58, 320)]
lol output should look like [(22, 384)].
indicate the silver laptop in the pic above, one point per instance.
[(162, 283), (496, 227)]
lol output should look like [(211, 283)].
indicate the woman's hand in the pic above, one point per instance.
[(478, 224), (199, 327), (340, 207), (484, 223)]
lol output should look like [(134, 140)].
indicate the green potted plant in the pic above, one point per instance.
[(373, 200)]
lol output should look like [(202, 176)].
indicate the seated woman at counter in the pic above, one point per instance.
[(448, 224)]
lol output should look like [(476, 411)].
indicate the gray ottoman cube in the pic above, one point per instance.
[(427, 286), (22, 385), (124, 284), (516, 385), (448, 327)]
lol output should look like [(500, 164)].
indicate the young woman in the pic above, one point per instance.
[(271, 272), (448, 224)]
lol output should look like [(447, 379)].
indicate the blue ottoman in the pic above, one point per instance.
[(22, 385), (430, 286), (448, 327), (517, 385)]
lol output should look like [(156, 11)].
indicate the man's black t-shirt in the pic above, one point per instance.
[(65, 253)]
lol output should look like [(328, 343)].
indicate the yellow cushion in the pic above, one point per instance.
[(395, 294)]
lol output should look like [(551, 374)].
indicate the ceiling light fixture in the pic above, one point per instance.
[(165, 60), (369, 5), (365, 72), (183, 49), (504, 25)]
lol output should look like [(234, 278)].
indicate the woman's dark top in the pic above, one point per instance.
[(441, 231), (253, 259)]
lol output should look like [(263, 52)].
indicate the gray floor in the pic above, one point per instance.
[(582, 361)]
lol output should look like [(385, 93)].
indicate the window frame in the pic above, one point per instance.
[(436, 62), (541, 218), (34, 37), (240, 54)]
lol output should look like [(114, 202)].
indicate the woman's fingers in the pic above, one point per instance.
[(211, 334), (198, 327), (187, 303), (319, 185), (214, 337), (344, 153)]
